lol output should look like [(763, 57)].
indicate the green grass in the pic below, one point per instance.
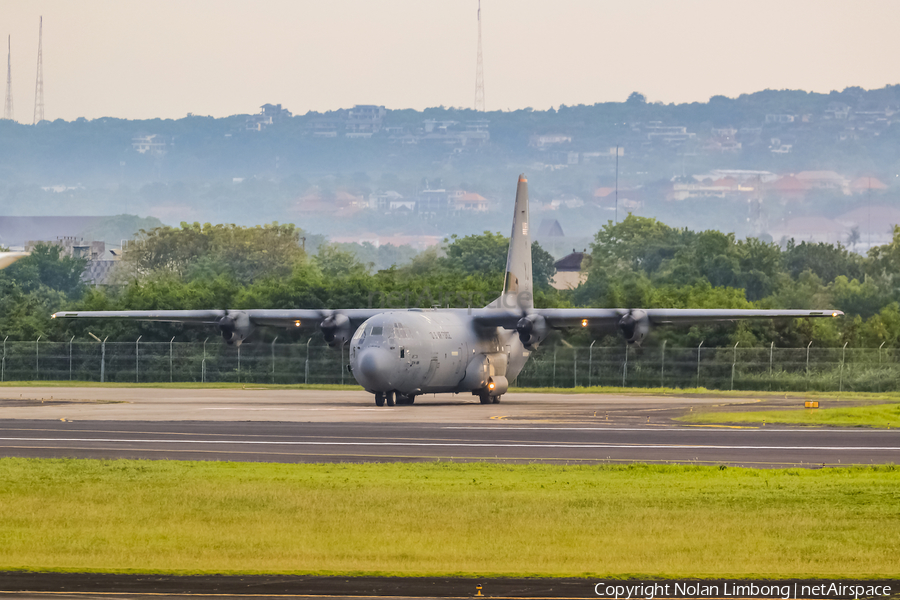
[(445, 518), (875, 415)]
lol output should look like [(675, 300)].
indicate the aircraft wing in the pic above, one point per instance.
[(261, 317), (562, 318)]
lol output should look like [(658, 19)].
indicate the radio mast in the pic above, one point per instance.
[(479, 70), (39, 83), (8, 106)]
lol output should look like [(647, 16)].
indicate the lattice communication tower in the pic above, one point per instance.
[(39, 83), (479, 70), (8, 105)]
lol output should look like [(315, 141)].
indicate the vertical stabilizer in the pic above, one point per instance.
[(518, 290)]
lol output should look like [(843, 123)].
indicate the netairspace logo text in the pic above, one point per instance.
[(649, 591)]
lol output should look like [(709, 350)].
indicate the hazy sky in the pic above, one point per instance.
[(165, 58)]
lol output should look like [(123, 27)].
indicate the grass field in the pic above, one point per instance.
[(874, 415), (446, 518)]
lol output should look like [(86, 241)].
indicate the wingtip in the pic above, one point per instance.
[(522, 178)]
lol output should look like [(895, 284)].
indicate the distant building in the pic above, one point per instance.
[(571, 271), (101, 262), (863, 185), (824, 180), (544, 141), (363, 120), (550, 228), (73, 246), (468, 201), (150, 143), (780, 119), (268, 114)]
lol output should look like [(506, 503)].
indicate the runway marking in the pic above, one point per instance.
[(688, 428), (292, 408), (449, 444)]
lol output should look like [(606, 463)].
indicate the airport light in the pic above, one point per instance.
[(584, 322)]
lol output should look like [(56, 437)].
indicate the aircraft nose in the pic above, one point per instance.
[(373, 369)]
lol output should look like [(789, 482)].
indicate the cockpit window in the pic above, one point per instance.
[(359, 335), (377, 329)]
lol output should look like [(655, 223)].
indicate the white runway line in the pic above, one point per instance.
[(449, 444), (689, 428)]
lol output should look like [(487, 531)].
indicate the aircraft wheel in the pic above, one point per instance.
[(405, 399), (379, 399), (389, 398), (411, 399), (496, 399), (485, 398)]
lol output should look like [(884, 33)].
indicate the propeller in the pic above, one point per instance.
[(227, 326)]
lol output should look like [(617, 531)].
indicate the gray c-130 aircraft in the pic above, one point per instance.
[(401, 354)]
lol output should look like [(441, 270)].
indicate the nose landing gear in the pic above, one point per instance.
[(382, 398), (487, 398)]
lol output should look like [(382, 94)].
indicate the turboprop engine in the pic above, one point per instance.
[(336, 329), (235, 327), (532, 330), (635, 326)]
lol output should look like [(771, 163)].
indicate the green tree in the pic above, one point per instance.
[(196, 251)]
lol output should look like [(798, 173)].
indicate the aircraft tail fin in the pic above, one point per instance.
[(518, 289)]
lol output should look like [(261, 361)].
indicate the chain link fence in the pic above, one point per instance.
[(775, 369)]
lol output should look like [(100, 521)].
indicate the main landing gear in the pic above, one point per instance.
[(382, 398)]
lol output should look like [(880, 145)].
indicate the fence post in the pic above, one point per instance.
[(879, 364), (37, 357), (70, 358), (137, 360), (698, 361), (575, 367), (662, 366), (591, 364), (342, 364), (239, 364), (771, 353), (843, 355), (103, 360), (203, 363), (170, 358), (807, 364), (553, 383), (306, 367), (733, 361), (625, 366), (273, 358), (3, 362)]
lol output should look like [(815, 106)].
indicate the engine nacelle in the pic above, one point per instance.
[(532, 330), (497, 385), (336, 330), (235, 327), (634, 326)]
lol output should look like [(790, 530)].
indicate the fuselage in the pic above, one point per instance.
[(432, 351)]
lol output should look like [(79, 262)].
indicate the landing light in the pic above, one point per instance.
[(296, 323), (834, 314), (491, 385), (584, 322)]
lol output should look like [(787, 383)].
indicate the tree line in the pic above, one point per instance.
[(638, 262)]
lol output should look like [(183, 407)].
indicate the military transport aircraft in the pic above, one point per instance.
[(405, 353)]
